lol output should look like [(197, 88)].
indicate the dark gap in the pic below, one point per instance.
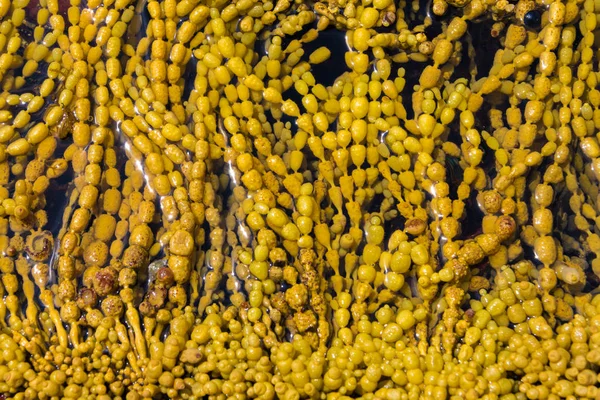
[(59, 192), (454, 175), (413, 70), (335, 41), (462, 70), (471, 224), (188, 75), (485, 44)]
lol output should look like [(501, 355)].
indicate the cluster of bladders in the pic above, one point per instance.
[(235, 228)]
